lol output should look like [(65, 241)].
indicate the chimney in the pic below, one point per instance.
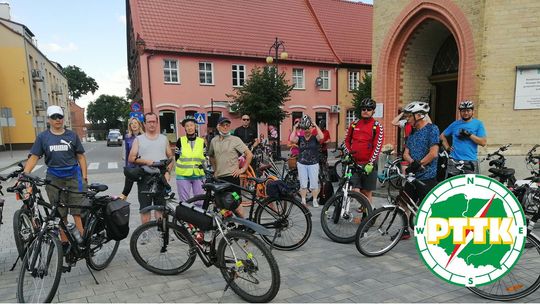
[(5, 11)]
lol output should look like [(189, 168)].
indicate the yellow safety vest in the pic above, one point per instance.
[(190, 159)]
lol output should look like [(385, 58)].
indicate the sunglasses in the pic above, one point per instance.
[(56, 117), (245, 119), (366, 109)]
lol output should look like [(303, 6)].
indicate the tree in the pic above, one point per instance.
[(362, 91), (78, 82), (263, 95), (108, 112)]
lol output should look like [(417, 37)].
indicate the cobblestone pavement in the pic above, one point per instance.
[(320, 271)]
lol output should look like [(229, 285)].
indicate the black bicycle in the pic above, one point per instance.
[(166, 247), (42, 267)]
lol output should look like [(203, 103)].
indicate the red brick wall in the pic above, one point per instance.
[(77, 119)]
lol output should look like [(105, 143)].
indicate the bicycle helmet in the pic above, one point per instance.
[(305, 122), (368, 103), (228, 200), (417, 107), (466, 104), (188, 118)]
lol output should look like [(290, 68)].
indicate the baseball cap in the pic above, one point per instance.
[(223, 119), (51, 110)]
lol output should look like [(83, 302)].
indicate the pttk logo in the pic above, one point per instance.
[(470, 230)]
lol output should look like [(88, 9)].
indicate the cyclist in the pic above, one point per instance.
[(421, 151), (66, 164), (466, 133), (147, 149), (364, 139), (135, 128), (189, 157), (246, 133)]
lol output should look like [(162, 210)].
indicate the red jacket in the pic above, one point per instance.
[(365, 137)]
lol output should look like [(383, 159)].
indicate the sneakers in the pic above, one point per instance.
[(315, 204), (144, 239)]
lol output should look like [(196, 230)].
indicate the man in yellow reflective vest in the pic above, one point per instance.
[(189, 156)]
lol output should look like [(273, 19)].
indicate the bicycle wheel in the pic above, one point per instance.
[(248, 267), (521, 281), (23, 230), (160, 251), (288, 219), (41, 270), (101, 249), (381, 231), (340, 225)]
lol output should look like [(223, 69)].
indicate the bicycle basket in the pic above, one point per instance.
[(228, 200), (194, 215)]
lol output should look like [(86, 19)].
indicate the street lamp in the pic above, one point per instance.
[(270, 59)]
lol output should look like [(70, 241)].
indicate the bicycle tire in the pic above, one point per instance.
[(139, 245), (349, 222), (514, 282), (250, 264), (23, 230), (377, 224), (287, 209), (97, 243), (35, 253)]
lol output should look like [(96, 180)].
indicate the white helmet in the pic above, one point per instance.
[(466, 104), (305, 122), (417, 107)]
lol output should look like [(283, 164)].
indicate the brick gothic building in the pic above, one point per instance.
[(445, 51), (77, 119)]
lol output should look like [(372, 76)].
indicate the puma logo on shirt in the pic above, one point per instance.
[(56, 148)]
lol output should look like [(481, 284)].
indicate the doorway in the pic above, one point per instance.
[(445, 103), (167, 125)]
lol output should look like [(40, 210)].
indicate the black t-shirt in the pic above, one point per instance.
[(247, 135)]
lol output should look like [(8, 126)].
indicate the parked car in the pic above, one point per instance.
[(91, 139), (114, 139)]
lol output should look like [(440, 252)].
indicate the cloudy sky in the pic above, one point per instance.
[(88, 34)]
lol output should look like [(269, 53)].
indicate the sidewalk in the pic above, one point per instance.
[(8, 159)]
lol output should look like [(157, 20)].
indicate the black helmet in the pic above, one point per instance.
[(188, 118), (305, 122), (466, 104), (368, 103), (228, 200)]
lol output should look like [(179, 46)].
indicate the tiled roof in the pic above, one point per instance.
[(348, 27), (248, 28)]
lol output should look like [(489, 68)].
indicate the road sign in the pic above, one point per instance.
[(135, 107), (200, 118), (138, 115)]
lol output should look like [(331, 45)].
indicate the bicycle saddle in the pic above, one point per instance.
[(504, 172), (98, 187), (217, 187)]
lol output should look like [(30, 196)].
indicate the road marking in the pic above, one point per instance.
[(37, 168), (93, 166), (112, 165)]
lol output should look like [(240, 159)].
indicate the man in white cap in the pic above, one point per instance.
[(66, 164)]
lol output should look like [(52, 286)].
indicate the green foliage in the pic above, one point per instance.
[(362, 91), (263, 95), (78, 82), (108, 112)]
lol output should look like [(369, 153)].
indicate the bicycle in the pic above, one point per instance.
[(391, 173), (42, 267), (346, 209), (286, 216), (461, 166), (500, 171), (160, 246), (4, 178)]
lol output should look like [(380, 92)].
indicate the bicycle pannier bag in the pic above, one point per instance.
[(277, 189), (194, 215), (117, 219), (332, 174)]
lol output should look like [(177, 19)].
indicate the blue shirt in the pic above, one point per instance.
[(129, 143), (464, 147), (419, 143), (59, 150)]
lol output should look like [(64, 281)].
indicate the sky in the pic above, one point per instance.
[(88, 34)]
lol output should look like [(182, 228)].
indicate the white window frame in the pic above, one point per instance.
[(168, 71), (326, 85), (298, 80), (350, 117), (236, 75), (206, 72), (354, 80)]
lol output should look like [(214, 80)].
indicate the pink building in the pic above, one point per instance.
[(185, 56)]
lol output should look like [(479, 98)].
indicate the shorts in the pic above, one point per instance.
[(73, 184), (149, 199), (308, 174), (365, 181)]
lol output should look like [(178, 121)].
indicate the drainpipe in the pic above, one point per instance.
[(149, 82), (337, 103)]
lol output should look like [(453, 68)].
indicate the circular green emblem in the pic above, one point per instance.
[(470, 230)]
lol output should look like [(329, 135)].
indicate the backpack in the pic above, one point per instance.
[(117, 219)]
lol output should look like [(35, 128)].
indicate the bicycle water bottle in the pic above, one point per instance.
[(74, 232)]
